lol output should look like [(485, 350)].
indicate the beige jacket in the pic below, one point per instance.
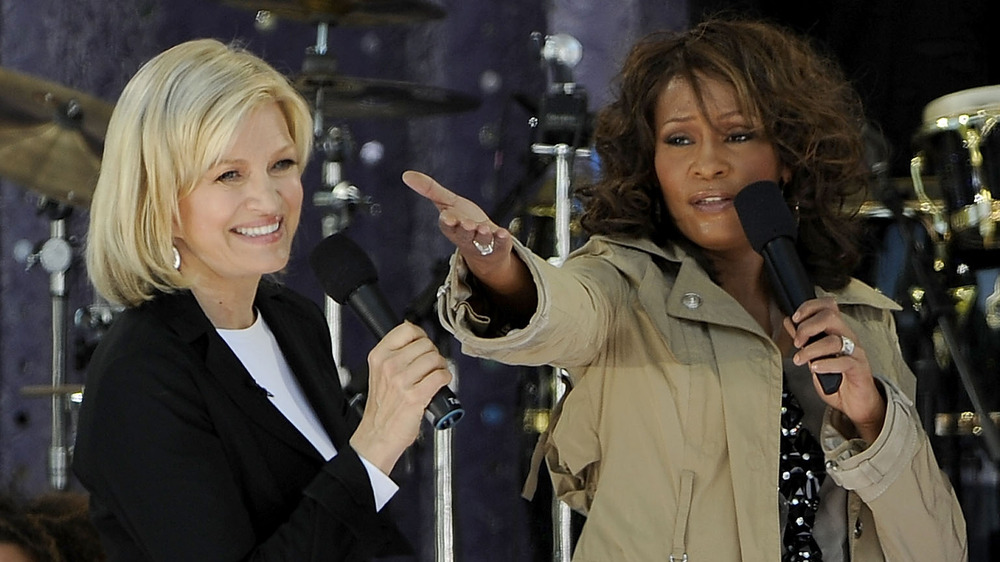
[(668, 441)]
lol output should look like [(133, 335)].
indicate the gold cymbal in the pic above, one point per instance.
[(51, 137), (345, 97), (361, 13)]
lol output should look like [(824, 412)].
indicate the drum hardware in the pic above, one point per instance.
[(962, 423), (933, 300), (992, 307), (342, 97), (364, 13), (955, 138), (336, 97), (74, 391), (55, 255), (965, 299), (934, 208), (560, 133), (51, 137), (51, 140), (91, 323)]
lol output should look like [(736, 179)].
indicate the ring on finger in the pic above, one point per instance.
[(485, 249), (846, 345)]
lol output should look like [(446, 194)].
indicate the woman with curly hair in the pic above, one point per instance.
[(695, 429)]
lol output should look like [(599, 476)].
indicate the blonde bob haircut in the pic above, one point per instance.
[(174, 120)]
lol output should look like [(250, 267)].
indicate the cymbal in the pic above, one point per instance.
[(345, 97), (51, 137), (362, 13)]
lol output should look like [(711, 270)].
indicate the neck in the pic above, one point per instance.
[(746, 281), (229, 308), (742, 277)]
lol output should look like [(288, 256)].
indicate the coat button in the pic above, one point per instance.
[(857, 529), (691, 300)]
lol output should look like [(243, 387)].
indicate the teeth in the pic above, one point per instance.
[(259, 230), (711, 200)]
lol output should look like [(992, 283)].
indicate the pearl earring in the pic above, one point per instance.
[(177, 258)]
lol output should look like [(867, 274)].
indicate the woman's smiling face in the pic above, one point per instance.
[(238, 222)]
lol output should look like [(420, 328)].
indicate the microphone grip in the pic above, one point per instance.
[(373, 309), (792, 287), (371, 306)]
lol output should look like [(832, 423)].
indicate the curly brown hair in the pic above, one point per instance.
[(799, 98)]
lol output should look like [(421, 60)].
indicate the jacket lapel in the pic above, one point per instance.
[(183, 314), (310, 356)]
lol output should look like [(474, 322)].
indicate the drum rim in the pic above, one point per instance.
[(971, 101)]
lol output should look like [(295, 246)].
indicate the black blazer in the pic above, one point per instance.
[(186, 459)]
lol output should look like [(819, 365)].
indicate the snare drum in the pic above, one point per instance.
[(957, 144)]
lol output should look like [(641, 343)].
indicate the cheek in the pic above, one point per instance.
[(293, 196)]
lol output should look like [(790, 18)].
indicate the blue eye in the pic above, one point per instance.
[(228, 176), (285, 164)]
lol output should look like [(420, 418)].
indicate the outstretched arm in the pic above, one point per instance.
[(486, 247)]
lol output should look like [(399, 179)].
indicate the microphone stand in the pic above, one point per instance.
[(937, 310), (444, 521), (421, 308)]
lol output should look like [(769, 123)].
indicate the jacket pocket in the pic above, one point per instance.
[(678, 551)]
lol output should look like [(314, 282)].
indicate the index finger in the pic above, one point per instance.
[(430, 189), (811, 307), (401, 335)]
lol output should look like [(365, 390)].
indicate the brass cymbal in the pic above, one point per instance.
[(51, 137), (361, 13), (345, 97)]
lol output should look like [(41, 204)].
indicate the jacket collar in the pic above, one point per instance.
[(182, 314), (694, 296), (855, 293)]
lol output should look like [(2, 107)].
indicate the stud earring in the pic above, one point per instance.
[(177, 258)]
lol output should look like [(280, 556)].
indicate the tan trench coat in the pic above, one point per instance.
[(668, 441)]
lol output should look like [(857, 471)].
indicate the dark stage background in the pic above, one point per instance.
[(901, 55)]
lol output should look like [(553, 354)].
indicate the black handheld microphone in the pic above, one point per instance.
[(348, 276), (771, 229)]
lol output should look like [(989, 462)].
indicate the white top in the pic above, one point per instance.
[(257, 349)]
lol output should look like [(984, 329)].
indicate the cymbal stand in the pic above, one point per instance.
[(341, 197), (561, 125), (344, 198), (55, 255), (562, 539)]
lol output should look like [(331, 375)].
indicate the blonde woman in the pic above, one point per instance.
[(214, 426)]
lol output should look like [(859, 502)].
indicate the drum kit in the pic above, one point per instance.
[(949, 276)]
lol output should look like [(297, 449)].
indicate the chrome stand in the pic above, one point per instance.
[(55, 256), (444, 522), (562, 539)]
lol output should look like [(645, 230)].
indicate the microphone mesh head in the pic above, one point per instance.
[(341, 266), (764, 214)]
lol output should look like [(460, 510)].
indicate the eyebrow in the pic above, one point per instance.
[(690, 117), (231, 161)]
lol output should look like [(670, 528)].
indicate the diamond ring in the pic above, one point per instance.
[(846, 345)]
